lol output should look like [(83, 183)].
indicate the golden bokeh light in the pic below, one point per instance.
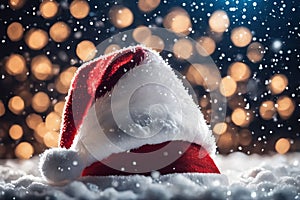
[(41, 131), (40, 102), (219, 21), (203, 75), (141, 33), (148, 5), (64, 80), (33, 120), (15, 65), (41, 67), (24, 150), (2, 109), (111, 48), (36, 39), (79, 9), (183, 48), (285, 107), (239, 71), (15, 31), (178, 20), (282, 145), (16, 131), (255, 52), (245, 137), (51, 139), (225, 141), (59, 107), (59, 31), (155, 42), (241, 36), (204, 101), (53, 121), (48, 8), (86, 50), (241, 117), (220, 128), (278, 83), (206, 46), (228, 86), (121, 16), (16, 4), (16, 105), (267, 110)]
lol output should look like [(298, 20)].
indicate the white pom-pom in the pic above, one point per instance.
[(59, 166)]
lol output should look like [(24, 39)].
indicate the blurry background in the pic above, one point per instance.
[(254, 43)]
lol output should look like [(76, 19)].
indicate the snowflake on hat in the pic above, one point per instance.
[(128, 113)]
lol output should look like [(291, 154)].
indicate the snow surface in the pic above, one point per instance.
[(244, 177)]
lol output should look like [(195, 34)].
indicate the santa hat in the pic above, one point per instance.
[(128, 113)]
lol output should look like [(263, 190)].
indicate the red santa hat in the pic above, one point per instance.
[(128, 113)]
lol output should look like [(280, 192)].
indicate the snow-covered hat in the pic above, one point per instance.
[(126, 113)]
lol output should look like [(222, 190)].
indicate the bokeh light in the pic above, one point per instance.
[(15, 64), (267, 110), (36, 39), (241, 36), (178, 20), (86, 50), (206, 46), (282, 145), (53, 121), (16, 132), (15, 31), (285, 107), (219, 21), (141, 33), (255, 52), (48, 8), (41, 67), (220, 128), (239, 71), (278, 83), (40, 102), (24, 150), (121, 16), (2, 108), (240, 117), (148, 5), (16, 105), (183, 49), (79, 9), (228, 86), (16, 4), (59, 31)]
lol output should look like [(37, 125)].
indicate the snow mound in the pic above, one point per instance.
[(243, 177)]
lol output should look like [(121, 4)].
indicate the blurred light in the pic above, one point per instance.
[(2, 109), (141, 33), (51, 139), (79, 9), (53, 121), (282, 145), (24, 150), (220, 128), (225, 141), (112, 48), (15, 31), (285, 107), (121, 16), (16, 4), (32, 120), (267, 110), (15, 64), (219, 21), (239, 71), (240, 117), (245, 137), (241, 36), (228, 86), (41, 130), (255, 52), (206, 46), (36, 39), (204, 101), (278, 83), (16, 105), (276, 45), (15, 132), (183, 49), (59, 31), (86, 50), (48, 8), (148, 5), (59, 107), (178, 20), (40, 102), (155, 42), (41, 67)]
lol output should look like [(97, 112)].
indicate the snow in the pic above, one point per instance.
[(243, 177)]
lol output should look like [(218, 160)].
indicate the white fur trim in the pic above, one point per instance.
[(151, 89)]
